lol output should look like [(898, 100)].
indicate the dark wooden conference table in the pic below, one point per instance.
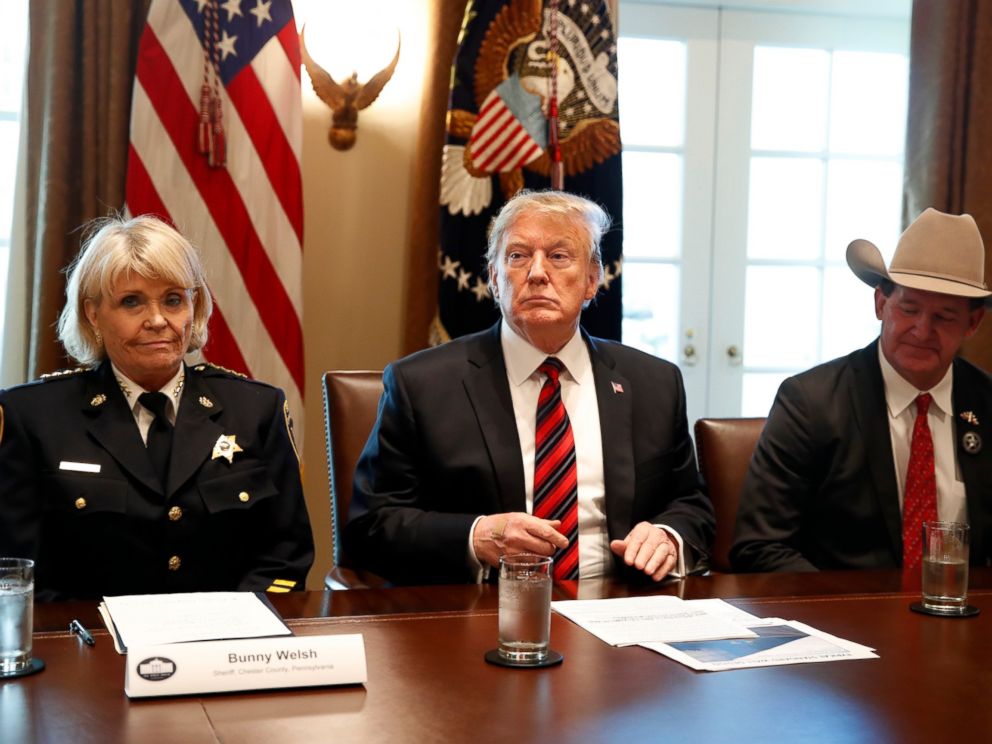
[(428, 681)]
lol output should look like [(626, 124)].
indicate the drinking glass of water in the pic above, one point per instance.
[(524, 608), (16, 615), (945, 568)]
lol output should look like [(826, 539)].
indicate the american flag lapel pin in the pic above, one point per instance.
[(617, 387)]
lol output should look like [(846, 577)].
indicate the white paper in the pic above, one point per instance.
[(154, 619), (727, 611), (109, 622), (780, 642), (246, 664), (632, 620)]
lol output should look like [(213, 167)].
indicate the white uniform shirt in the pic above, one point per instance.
[(900, 399), (173, 390)]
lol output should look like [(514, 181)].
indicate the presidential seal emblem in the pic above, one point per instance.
[(533, 104), (513, 82)]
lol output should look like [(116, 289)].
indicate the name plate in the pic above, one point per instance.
[(245, 664)]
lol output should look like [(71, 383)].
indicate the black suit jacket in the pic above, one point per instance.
[(237, 525), (821, 490), (445, 449)]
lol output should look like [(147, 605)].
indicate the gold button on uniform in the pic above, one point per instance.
[(174, 563), (243, 497), (80, 503), (175, 514)]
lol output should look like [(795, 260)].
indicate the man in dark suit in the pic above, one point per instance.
[(846, 441), (456, 474)]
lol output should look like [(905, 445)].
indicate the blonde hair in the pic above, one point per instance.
[(115, 248)]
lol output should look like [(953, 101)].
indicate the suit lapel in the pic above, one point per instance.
[(872, 418), (615, 397), (196, 432), (972, 415), (489, 394), (114, 428)]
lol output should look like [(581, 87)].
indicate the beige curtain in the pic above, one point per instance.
[(421, 282), (80, 72), (949, 137)]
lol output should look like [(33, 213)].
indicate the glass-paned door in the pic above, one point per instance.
[(809, 162), (756, 145), (13, 42), (667, 55)]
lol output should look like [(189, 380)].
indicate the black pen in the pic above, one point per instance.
[(79, 629)]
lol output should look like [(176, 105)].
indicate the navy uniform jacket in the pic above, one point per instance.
[(821, 490), (445, 449), (78, 492)]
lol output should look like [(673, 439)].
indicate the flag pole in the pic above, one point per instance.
[(554, 146)]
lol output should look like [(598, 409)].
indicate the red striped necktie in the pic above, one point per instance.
[(920, 500), (556, 484)]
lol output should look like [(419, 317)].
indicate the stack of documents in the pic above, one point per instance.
[(139, 620), (707, 634)]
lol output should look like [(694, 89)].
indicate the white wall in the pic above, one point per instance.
[(356, 210)]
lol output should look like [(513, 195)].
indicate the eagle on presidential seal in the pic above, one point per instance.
[(513, 73)]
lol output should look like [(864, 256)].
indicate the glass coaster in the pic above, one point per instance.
[(967, 611), (552, 659), (34, 667)]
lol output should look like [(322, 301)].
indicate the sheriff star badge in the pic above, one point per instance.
[(225, 447)]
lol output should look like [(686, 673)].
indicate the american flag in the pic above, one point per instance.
[(246, 216)]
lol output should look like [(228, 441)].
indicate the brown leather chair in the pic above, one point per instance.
[(351, 400), (724, 448)]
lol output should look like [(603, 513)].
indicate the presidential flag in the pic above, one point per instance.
[(498, 141), (216, 135)]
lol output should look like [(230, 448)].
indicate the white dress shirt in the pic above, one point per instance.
[(900, 399), (173, 390), (578, 393)]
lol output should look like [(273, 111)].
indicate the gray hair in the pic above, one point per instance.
[(115, 248), (591, 217)]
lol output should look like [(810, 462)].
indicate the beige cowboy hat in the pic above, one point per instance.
[(938, 253)]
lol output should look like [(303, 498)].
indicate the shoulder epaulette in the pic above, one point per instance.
[(62, 373), (208, 367)]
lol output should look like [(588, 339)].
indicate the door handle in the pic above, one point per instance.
[(689, 355)]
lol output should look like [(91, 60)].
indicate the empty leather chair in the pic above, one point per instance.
[(724, 448), (351, 401)]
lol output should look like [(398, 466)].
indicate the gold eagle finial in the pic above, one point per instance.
[(346, 98)]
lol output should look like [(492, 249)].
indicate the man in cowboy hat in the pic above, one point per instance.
[(857, 452)]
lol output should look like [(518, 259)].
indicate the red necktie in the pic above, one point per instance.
[(920, 500), (556, 484)]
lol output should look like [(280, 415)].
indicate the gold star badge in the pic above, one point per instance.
[(226, 447), (98, 400), (206, 402), (970, 417)]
